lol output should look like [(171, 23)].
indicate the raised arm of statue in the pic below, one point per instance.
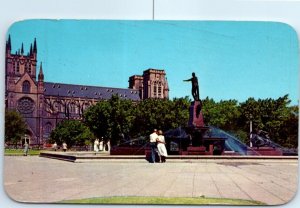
[(187, 80)]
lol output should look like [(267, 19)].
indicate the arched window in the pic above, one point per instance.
[(85, 106), (159, 89), (18, 67), (26, 87), (72, 108), (57, 106), (14, 66), (48, 128), (28, 67), (155, 89)]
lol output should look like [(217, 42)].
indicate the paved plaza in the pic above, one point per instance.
[(37, 179)]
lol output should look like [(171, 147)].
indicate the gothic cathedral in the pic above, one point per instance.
[(44, 104)]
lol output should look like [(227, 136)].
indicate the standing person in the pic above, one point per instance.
[(101, 144), (54, 146), (161, 147), (96, 144), (153, 138), (26, 147), (64, 146), (108, 145)]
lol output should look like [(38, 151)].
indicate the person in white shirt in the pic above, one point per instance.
[(26, 147), (101, 144), (64, 146), (161, 147), (96, 144), (54, 146), (153, 138)]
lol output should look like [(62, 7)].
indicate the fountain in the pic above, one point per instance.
[(196, 129), (199, 139)]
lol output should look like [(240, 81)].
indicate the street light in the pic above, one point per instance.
[(251, 130)]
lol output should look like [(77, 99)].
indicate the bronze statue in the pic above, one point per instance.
[(195, 86)]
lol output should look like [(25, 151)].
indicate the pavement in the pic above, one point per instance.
[(36, 179)]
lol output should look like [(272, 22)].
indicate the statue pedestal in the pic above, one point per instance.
[(196, 117)]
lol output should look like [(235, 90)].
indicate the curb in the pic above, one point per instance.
[(92, 157)]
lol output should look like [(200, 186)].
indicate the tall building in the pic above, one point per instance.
[(152, 84), (44, 104)]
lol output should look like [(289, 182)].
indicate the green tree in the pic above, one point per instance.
[(97, 118), (72, 132), (121, 119), (180, 112), (251, 112), (223, 114), (146, 116), (161, 114), (271, 115), (116, 118), (152, 113), (111, 119), (15, 126), (289, 129)]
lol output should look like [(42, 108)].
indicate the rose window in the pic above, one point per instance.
[(25, 105)]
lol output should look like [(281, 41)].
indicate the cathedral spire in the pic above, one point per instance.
[(8, 44), (30, 52), (41, 74), (34, 46), (22, 49)]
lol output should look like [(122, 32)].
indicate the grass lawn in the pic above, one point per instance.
[(164, 200), (16, 152)]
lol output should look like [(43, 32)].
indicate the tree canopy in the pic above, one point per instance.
[(73, 132), (115, 119), (15, 126), (274, 116)]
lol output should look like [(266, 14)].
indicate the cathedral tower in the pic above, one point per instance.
[(153, 84), (22, 91)]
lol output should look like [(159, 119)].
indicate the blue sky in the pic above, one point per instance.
[(232, 60)]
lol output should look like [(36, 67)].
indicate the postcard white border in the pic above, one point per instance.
[(286, 11)]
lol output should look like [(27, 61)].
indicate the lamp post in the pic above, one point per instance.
[(25, 140), (153, 9), (251, 131)]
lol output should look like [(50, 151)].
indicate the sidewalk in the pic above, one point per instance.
[(270, 181)]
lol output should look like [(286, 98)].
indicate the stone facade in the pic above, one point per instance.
[(44, 104), (152, 84)]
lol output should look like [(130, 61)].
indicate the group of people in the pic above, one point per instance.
[(99, 145), (157, 144), (64, 146)]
